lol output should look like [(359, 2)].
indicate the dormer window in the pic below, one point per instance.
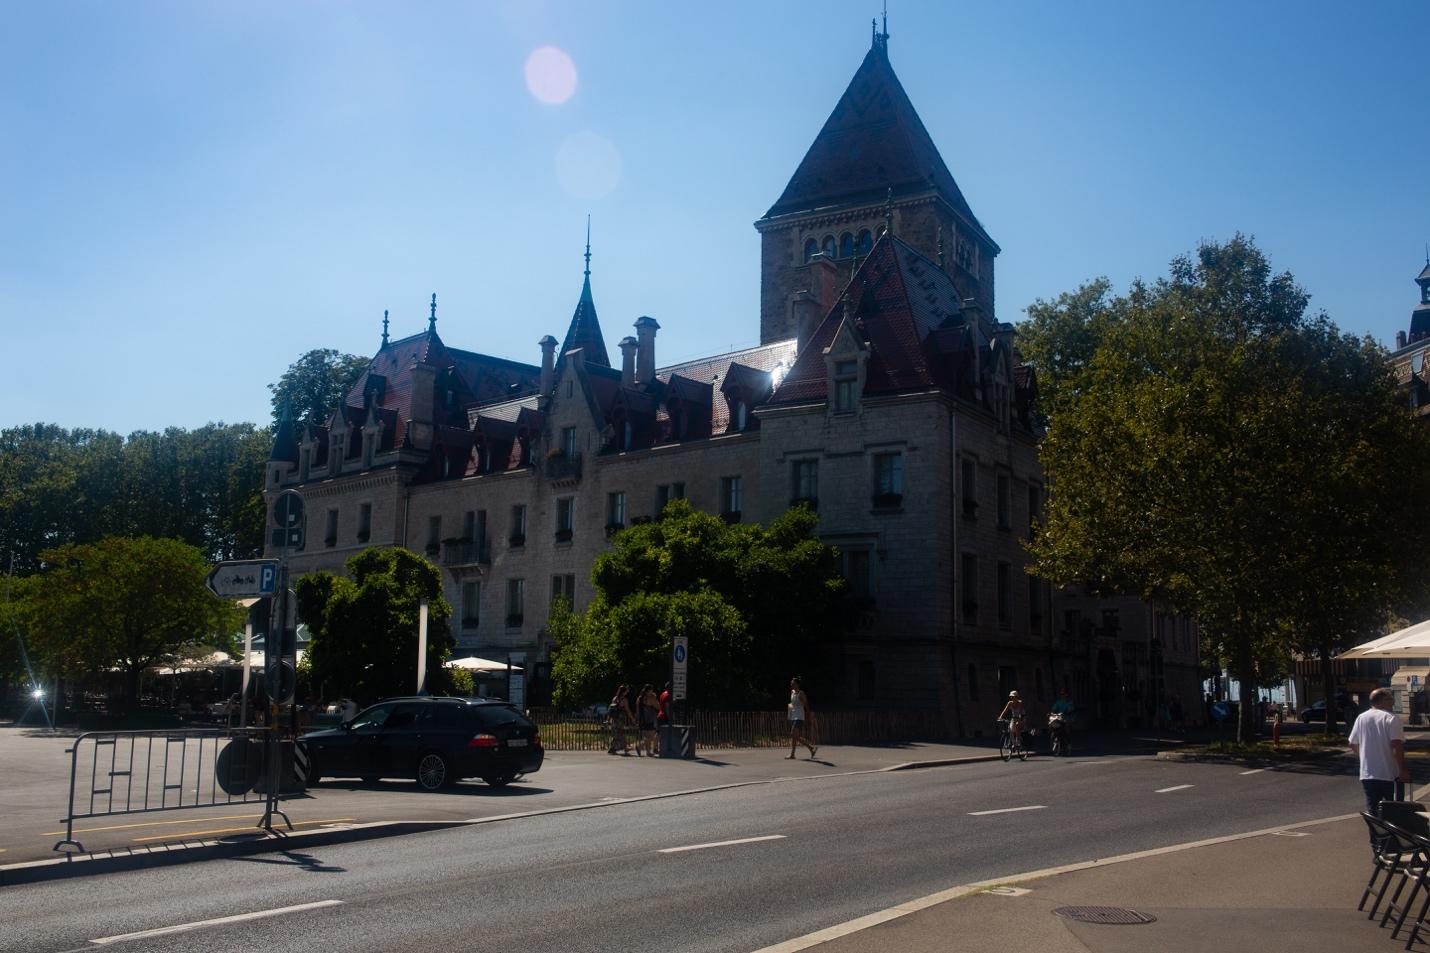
[(846, 380), (568, 441), (628, 436), (740, 416)]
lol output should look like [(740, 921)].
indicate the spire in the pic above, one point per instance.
[(881, 38), (384, 327), (889, 213), (432, 318), (585, 331), (588, 246)]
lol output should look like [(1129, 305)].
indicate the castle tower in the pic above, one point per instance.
[(873, 162), (1420, 317)]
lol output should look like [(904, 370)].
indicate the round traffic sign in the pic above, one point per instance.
[(288, 510)]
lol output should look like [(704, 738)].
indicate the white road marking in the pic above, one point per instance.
[(1252, 771), (216, 921), (1175, 787), (720, 843), (1291, 833), (1008, 891), (1008, 810)]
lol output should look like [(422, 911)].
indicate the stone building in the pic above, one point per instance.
[(884, 393), (1411, 349)]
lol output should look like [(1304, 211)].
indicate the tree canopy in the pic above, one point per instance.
[(316, 383), (126, 602), (364, 625), (753, 600), (1212, 446)]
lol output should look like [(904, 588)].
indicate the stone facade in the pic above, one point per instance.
[(884, 394)]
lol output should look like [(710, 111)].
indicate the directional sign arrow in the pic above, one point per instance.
[(244, 578)]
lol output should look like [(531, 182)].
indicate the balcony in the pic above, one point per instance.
[(614, 528), (514, 620), (812, 502), (887, 501), (561, 466), (563, 535), (465, 552), (516, 540)]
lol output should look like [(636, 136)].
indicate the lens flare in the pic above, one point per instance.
[(588, 166), (550, 75)]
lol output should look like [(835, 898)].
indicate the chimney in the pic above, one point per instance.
[(972, 310), (1400, 341), (424, 394), (548, 365), (645, 349), (628, 347)]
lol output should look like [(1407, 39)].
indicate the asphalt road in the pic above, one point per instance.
[(830, 849)]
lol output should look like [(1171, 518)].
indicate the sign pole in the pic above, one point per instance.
[(421, 645), (247, 671)]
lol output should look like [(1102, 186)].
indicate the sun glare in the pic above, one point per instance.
[(550, 75)]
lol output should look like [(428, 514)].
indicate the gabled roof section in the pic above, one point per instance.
[(872, 142), (585, 331), (773, 359), (898, 300)]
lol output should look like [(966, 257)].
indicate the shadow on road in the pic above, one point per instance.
[(461, 789), (292, 858)]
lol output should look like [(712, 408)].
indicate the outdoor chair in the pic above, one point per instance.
[(1393, 850), (1422, 882)]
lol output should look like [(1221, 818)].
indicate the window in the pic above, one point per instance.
[(518, 525), (330, 534), (364, 523), (846, 381), (1111, 623), (565, 518), (811, 248), (888, 479), (568, 441), (434, 533), (829, 246), (515, 599), (972, 682), (965, 255), (732, 498), (615, 511), (1035, 508), (866, 680), (806, 482), (1005, 504), (471, 603), (970, 587), (1072, 621), (1007, 680), (865, 243), (667, 492), (563, 587), (1005, 596), (969, 490), (740, 420), (854, 563), (846, 245)]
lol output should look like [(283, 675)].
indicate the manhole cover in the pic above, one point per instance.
[(1110, 915)]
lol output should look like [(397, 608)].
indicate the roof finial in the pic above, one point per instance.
[(940, 245), (432, 318), (588, 245), (889, 213), (384, 327), (881, 38)]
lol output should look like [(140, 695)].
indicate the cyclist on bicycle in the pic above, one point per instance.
[(1014, 714)]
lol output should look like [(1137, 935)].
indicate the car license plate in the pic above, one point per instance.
[(516, 743)]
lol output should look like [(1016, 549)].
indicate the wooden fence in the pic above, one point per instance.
[(754, 729)]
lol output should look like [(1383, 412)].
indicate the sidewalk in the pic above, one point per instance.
[(1292, 892)]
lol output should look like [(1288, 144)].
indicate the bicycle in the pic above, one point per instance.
[(1010, 743)]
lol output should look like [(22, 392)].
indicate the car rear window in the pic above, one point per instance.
[(492, 716)]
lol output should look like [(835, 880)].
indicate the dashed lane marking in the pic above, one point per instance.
[(1008, 810), (720, 843), (1252, 771), (216, 921), (1175, 787)]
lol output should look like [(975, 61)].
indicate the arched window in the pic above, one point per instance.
[(846, 245), (811, 248), (865, 243), (829, 245)]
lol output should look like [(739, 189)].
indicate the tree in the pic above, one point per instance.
[(127, 602), (364, 625), (754, 602), (1224, 453), (316, 383), (1061, 336)]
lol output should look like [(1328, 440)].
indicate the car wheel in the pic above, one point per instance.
[(432, 772), (499, 780)]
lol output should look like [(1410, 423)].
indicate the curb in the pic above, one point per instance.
[(164, 855)]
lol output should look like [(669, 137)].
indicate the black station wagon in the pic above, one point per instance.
[(437, 741)]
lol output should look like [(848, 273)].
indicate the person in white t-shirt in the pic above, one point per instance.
[(1378, 739)]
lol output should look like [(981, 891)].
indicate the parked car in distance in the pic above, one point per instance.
[(1317, 711), (435, 741)]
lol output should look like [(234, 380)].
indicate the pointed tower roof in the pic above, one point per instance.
[(872, 142), (584, 334)]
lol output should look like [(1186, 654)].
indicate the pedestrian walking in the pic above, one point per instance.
[(1378, 740), (800, 715), (647, 708), (618, 714)]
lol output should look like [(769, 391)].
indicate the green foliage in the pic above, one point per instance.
[(461, 683), (1224, 453), (127, 602), (1061, 336), (315, 384), (752, 600), (364, 625)]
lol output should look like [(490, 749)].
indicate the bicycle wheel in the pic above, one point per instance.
[(1005, 746)]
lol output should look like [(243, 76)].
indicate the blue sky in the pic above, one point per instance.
[(197, 193)]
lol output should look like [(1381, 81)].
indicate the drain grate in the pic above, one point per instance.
[(1110, 915)]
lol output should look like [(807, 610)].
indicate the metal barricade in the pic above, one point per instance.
[(141, 772)]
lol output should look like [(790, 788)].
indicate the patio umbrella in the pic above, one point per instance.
[(473, 664), (1410, 642)]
